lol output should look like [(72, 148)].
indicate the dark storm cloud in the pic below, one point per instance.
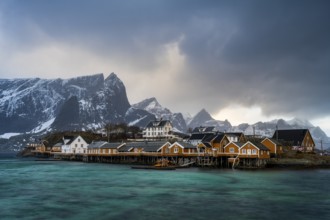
[(274, 54)]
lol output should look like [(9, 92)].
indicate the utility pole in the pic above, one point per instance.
[(276, 132), (322, 146)]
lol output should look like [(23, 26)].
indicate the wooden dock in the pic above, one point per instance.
[(199, 160)]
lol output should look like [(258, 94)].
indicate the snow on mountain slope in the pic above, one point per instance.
[(203, 118), (27, 104), (152, 106)]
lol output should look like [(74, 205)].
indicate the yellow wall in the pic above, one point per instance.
[(248, 147), (231, 145), (270, 145), (308, 142), (172, 149)]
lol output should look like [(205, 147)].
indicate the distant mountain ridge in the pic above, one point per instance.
[(35, 106), (264, 129), (152, 106), (87, 102)]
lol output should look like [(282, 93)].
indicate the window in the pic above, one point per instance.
[(243, 151), (76, 145), (176, 150), (254, 151), (231, 150), (82, 145), (78, 139), (167, 150), (262, 152)]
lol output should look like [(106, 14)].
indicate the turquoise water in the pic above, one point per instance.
[(74, 190)]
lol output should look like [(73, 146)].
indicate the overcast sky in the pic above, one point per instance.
[(242, 60)]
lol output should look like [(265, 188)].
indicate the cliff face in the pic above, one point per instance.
[(27, 104)]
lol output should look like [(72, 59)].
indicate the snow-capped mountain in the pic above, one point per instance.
[(88, 102), (203, 118), (152, 106), (263, 129), (29, 106), (267, 129)]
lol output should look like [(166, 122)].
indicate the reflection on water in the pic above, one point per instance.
[(73, 190)]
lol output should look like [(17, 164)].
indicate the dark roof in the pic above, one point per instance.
[(147, 146), (209, 137), (240, 144), (296, 136), (202, 129), (112, 145), (160, 123), (238, 134), (124, 148), (219, 137), (208, 129), (186, 145), (70, 138), (153, 146), (96, 144), (260, 146), (197, 136)]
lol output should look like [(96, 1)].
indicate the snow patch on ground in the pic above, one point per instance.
[(43, 126), (9, 135), (136, 121)]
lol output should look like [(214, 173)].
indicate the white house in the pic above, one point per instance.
[(158, 129), (74, 145)]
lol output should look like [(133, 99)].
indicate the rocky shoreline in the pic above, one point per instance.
[(313, 162)]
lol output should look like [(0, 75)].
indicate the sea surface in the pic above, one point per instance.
[(73, 190)]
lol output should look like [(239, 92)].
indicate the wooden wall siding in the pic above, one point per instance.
[(264, 154), (176, 149), (308, 142), (231, 145), (249, 148), (270, 145), (273, 148), (165, 150)]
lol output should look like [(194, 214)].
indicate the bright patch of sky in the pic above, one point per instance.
[(237, 114), (323, 123)]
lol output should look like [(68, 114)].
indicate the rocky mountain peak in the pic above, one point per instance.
[(152, 106)]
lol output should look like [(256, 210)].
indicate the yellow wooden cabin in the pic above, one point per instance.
[(182, 148), (254, 150), (274, 146), (232, 148), (57, 147), (213, 144), (110, 148)]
